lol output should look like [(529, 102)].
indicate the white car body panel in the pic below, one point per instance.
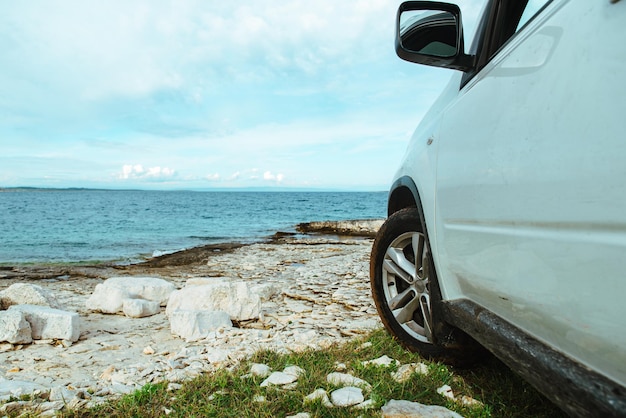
[(523, 185)]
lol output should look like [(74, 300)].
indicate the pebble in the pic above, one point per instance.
[(382, 361), (279, 379), (344, 379), (446, 391), (320, 394), (405, 371)]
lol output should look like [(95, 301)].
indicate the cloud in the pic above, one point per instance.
[(137, 172), (307, 91), (268, 176)]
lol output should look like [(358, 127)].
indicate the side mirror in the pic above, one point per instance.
[(431, 33)]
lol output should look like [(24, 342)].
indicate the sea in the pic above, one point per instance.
[(125, 226)]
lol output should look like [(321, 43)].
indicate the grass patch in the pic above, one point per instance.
[(228, 394)]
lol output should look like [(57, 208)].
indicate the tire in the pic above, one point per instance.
[(405, 290)]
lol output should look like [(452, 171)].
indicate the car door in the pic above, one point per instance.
[(531, 192)]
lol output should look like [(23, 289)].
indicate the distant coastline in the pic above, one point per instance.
[(216, 189)]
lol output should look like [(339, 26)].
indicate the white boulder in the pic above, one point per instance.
[(232, 297), (14, 328), (139, 308), (196, 325), (27, 294), (49, 323), (109, 296)]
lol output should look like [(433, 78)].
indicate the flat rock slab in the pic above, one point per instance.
[(314, 293)]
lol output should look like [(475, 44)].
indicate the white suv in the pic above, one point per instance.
[(507, 217)]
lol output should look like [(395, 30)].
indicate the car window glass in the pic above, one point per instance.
[(532, 8)]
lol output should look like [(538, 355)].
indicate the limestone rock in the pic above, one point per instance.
[(14, 328), (140, 308), (343, 379), (360, 227), (108, 297), (321, 395), (266, 291), (405, 371), (347, 396), (16, 388), (294, 371), (446, 391), (261, 370), (48, 323), (196, 325), (382, 361), (232, 297), (406, 409), (61, 393), (26, 294), (279, 379)]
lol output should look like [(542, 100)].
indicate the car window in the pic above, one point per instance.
[(532, 8), (501, 20)]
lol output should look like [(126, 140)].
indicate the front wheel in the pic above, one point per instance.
[(404, 287)]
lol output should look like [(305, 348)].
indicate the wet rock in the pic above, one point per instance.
[(364, 227), (14, 328), (50, 323)]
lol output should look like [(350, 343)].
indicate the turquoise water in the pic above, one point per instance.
[(107, 225)]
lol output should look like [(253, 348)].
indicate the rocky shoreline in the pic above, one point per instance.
[(314, 291)]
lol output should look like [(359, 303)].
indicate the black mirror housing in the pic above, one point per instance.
[(431, 33)]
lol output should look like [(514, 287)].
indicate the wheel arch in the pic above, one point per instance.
[(403, 194)]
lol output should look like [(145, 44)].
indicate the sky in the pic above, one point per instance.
[(203, 94)]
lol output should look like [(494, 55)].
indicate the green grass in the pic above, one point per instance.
[(226, 394)]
